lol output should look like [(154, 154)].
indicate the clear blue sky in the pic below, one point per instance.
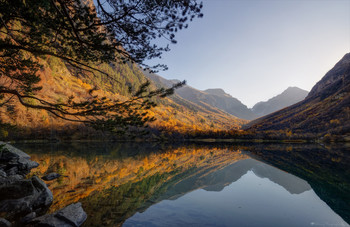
[(255, 49)]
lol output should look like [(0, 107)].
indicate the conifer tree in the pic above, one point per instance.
[(83, 35)]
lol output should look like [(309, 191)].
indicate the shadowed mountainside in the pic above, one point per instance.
[(325, 110)]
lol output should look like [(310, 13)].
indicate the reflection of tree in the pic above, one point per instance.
[(97, 173), (114, 182)]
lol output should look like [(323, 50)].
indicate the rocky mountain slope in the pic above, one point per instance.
[(173, 114), (216, 98), (326, 109), (288, 97), (219, 99)]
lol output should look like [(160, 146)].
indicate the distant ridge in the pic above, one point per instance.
[(214, 98), (288, 97), (217, 98), (217, 91)]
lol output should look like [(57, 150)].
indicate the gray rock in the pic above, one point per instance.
[(24, 196), (10, 151), (4, 223), (14, 161), (51, 176), (27, 163), (12, 171), (28, 218), (49, 220), (2, 173), (72, 215), (45, 198), (11, 178)]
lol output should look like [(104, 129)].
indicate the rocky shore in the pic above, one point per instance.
[(24, 202)]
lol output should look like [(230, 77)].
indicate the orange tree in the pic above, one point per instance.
[(84, 34)]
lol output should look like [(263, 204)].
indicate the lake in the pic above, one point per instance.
[(212, 184)]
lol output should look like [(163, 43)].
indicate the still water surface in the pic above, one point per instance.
[(199, 184)]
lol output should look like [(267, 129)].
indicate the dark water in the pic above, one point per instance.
[(200, 184)]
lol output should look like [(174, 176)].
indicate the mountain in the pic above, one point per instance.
[(288, 97), (217, 180), (326, 109), (217, 98), (209, 98), (59, 81)]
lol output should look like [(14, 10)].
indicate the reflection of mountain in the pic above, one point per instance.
[(327, 170), (208, 180), (115, 181), (291, 183), (217, 180), (103, 180)]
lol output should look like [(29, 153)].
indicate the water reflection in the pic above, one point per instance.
[(152, 184), (246, 193)]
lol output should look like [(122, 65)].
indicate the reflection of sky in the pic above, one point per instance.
[(250, 201)]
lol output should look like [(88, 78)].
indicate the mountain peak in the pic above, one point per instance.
[(291, 90), (288, 97), (334, 78), (216, 91)]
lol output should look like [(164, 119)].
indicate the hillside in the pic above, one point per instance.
[(209, 98), (325, 110), (219, 99), (288, 97), (60, 82)]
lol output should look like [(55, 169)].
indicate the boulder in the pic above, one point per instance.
[(3, 173), (9, 179), (14, 161), (20, 197), (10, 151), (28, 218), (45, 198), (72, 215), (4, 223), (51, 176)]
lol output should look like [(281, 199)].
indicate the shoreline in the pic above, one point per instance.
[(25, 201), (205, 140)]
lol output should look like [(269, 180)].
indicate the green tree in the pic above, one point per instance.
[(84, 36)]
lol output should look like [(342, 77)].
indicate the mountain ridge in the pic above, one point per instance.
[(288, 97), (172, 113), (325, 111), (218, 98)]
